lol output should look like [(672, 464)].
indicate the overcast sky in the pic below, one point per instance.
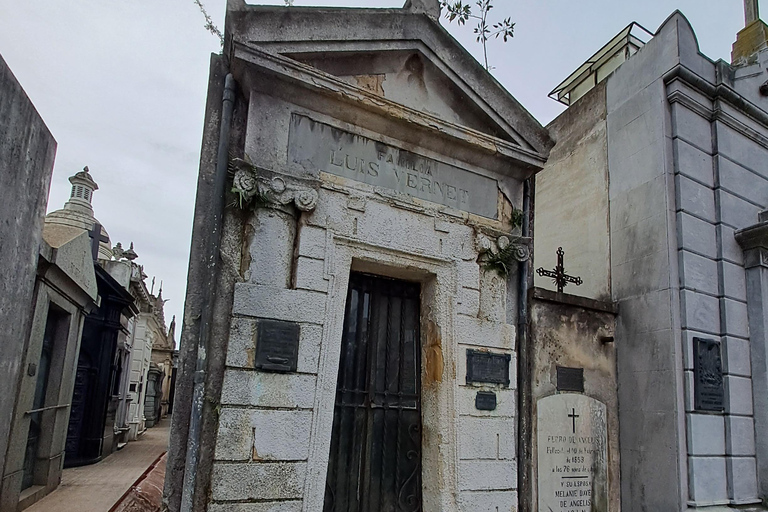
[(121, 84)]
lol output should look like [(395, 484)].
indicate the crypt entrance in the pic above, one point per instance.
[(375, 457)]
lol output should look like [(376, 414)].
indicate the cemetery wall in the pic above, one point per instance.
[(27, 151), (572, 194)]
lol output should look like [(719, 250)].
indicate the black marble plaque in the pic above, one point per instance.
[(487, 367), (277, 346), (570, 379), (485, 401), (708, 390)]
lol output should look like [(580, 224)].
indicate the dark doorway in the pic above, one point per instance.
[(56, 327), (375, 458)]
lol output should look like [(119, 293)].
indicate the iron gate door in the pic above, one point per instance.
[(375, 458)]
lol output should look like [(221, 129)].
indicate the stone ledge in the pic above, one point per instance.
[(573, 300)]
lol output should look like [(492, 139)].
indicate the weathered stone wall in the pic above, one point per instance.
[(577, 333), (572, 194), (27, 151)]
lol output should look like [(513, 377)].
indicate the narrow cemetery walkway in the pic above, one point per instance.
[(98, 487)]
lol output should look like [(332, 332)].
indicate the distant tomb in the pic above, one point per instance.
[(572, 454)]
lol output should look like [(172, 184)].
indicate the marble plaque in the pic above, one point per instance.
[(572, 454), (319, 147)]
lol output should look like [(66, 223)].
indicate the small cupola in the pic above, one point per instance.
[(83, 187)]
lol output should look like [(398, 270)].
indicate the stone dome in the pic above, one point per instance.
[(77, 213)]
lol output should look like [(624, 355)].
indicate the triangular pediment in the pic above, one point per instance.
[(404, 58)]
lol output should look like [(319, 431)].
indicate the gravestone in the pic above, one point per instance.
[(572, 454)]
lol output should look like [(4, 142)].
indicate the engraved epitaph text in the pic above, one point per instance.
[(487, 367), (318, 147), (572, 454)]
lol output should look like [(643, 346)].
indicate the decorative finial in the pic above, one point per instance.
[(130, 254)]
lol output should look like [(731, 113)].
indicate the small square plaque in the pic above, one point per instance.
[(277, 346), (708, 389), (485, 401), (570, 379), (487, 367)]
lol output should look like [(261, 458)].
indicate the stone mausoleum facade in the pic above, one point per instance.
[(351, 324)]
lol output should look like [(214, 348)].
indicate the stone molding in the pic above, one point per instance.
[(754, 241), (267, 188), (517, 247)]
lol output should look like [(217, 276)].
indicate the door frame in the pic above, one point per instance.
[(438, 279)]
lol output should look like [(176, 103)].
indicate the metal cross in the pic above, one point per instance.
[(573, 417), (751, 11), (96, 237), (558, 275)]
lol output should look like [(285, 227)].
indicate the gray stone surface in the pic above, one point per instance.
[(740, 436), (736, 357), (27, 151), (706, 434), (693, 163), (734, 284), (734, 320), (695, 199), (696, 273), (707, 480), (737, 212), (254, 481), (318, 147), (742, 480), (273, 506), (738, 395), (699, 312), (696, 235), (742, 182), (485, 501), (482, 475)]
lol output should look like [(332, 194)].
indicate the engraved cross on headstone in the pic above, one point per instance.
[(96, 237), (751, 11), (558, 275), (573, 417)]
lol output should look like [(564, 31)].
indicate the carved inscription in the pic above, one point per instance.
[(318, 147), (572, 455)]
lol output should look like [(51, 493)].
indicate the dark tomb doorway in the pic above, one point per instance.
[(56, 330), (375, 457)]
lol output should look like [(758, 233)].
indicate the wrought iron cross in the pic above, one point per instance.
[(96, 237), (558, 275)]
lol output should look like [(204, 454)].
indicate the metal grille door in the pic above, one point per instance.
[(375, 458)]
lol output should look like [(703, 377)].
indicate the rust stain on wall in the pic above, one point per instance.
[(434, 366)]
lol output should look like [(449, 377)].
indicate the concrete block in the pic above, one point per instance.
[(736, 357), (252, 388), (242, 345), (234, 440), (638, 276), (693, 163), (270, 247), (647, 313), (696, 235), (280, 435), (312, 242), (506, 402), (707, 480), (741, 150), (688, 397), (734, 281), (698, 273), (468, 302), (468, 274), (739, 436), (487, 475), (267, 506), (486, 438), (706, 434), (699, 312), (310, 275), (729, 248), (691, 127), (483, 333), (493, 296), (736, 212), (738, 395), (742, 479), (695, 198), (487, 501), (742, 182), (258, 481), (639, 240), (734, 320), (279, 303)]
